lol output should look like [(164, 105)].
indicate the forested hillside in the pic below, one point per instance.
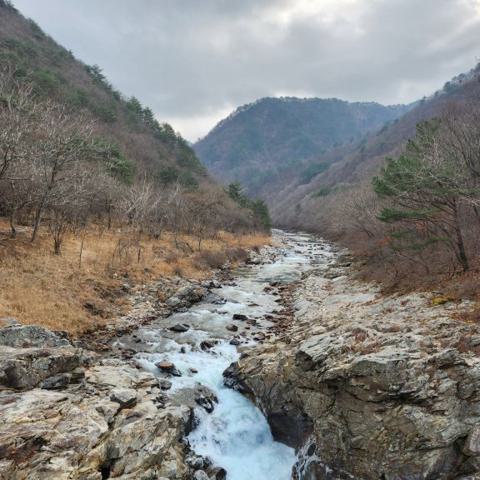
[(93, 187), (407, 196), (271, 142)]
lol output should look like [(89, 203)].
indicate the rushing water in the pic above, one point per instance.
[(236, 435)]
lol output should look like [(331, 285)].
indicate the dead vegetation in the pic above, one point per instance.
[(85, 286)]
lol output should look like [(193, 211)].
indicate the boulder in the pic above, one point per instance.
[(27, 336), (180, 328), (24, 368), (125, 397), (168, 367)]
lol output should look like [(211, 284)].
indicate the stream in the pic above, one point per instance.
[(235, 435)]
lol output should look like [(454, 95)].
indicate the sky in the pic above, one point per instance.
[(194, 61)]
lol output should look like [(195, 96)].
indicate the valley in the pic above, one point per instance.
[(292, 296)]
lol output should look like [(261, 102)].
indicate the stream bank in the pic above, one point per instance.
[(368, 386), (291, 364), (149, 402)]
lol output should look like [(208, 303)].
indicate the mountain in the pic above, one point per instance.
[(152, 148), (311, 205), (264, 144)]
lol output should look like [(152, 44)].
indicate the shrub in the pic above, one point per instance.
[(237, 254), (211, 259)]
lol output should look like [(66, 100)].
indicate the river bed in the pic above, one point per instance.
[(235, 435)]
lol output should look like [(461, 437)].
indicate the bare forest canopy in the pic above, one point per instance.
[(73, 150), (406, 197)]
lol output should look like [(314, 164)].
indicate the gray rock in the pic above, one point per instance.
[(26, 336), (126, 397), (57, 382), (200, 475), (180, 328), (24, 368)]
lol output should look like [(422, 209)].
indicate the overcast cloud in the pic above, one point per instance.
[(193, 61)]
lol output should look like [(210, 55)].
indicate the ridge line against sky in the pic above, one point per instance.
[(194, 62)]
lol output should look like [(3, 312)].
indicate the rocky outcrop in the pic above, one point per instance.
[(370, 387), (32, 355), (64, 416)]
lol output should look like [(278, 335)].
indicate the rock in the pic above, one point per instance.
[(200, 475), (233, 380), (8, 321), (232, 328), (24, 368), (27, 336), (165, 384), (206, 399), (180, 328), (57, 382), (83, 434), (207, 344), (186, 296), (125, 397), (240, 316), (168, 367), (218, 473), (235, 341), (196, 462), (383, 386)]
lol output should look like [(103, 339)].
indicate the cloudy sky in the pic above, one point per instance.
[(194, 61)]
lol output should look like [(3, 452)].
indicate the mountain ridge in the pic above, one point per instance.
[(275, 136)]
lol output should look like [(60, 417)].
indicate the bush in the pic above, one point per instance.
[(237, 254), (211, 259)]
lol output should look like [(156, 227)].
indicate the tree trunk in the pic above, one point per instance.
[(13, 230), (38, 217), (461, 253)]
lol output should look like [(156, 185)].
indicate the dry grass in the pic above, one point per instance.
[(38, 287)]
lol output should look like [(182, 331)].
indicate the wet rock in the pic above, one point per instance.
[(240, 316), (186, 296), (232, 328), (207, 344), (125, 397), (218, 473), (196, 462), (215, 299), (165, 384), (235, 341), (233, 380), (168, 367), (180, 328), (200, 475), (206, 399)]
